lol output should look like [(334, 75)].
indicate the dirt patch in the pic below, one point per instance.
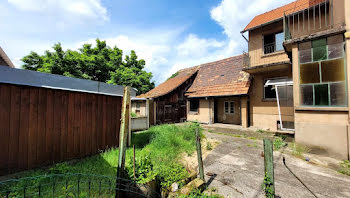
[(190, 162)]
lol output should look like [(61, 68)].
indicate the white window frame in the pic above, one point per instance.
[(264, 86), (229, 107)]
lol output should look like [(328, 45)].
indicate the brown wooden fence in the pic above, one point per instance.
[(41, 126)]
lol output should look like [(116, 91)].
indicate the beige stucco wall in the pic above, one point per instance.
[(325, 130), (142, 107), (202, 115), (264, 113), (228, 118), (244, 112), (256, 52)]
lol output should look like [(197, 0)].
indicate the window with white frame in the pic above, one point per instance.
[(323, 72), (229, 107)]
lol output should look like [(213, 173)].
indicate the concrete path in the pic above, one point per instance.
[(236, 169)]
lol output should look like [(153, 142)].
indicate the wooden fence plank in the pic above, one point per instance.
[(104, 121), (77, 107), (41, 154), (93, 124), (88, 135), (5, 100), (57, 126), (64, 123), (33, 127), (70, 125), (14, 128), (83, 125), (41, 126), (49, 127)]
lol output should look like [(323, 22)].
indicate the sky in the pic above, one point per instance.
[(168, 35)]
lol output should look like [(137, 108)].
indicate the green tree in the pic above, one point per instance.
[(99, 63)]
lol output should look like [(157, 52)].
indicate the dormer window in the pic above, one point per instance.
[(273, 42)]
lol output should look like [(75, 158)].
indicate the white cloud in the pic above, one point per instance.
[(234, 15), (164, 50), (91, 9)]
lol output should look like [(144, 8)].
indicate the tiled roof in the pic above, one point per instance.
[(220, 78), (171, 84), (278, 13)]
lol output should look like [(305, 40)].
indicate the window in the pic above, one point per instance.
[(194, 105), (138, 106), (269, 91), (229, 107), (273, 42), (322, 72)]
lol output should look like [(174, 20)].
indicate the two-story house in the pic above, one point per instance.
[(5, 60), (297, 61)]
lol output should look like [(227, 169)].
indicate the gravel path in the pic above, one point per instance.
[(236, 169)]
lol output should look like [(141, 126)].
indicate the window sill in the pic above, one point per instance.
[(193, 112), (273, 53), (305, 108), (268, 100)]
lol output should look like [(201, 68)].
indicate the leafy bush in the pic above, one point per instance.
[(209, 146), (345, 167), (143, 168), (278, 143), (133, 114)]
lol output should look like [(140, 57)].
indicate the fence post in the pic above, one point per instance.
[(199, 155), (123, 137), (269, 180)]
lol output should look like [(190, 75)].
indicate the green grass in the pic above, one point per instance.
[(298, 149), (158, 152), (278, 143)]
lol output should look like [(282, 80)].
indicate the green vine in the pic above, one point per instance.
[(268, 186)]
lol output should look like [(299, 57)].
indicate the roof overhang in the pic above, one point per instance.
[(261, 25), (279, 82), (268, 67), (217, 96)]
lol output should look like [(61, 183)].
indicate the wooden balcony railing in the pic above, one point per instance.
[(310, 18)]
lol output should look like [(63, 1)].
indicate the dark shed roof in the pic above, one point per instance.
[(37, 79)]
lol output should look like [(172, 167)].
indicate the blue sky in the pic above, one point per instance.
[(169, 35)]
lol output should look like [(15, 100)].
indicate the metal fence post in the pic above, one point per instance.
[(268, 163), (123, 136), (199, 155)]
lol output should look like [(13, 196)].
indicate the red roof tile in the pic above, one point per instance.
[(278, 13), (220, 78), (170, 84)]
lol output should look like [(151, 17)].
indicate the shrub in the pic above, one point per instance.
[(278, 143), (209, 146), (345, 167), (133, 114)]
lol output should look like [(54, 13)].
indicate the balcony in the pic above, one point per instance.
[(312, 18)]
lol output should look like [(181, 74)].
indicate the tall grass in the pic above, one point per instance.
[(158, 152)]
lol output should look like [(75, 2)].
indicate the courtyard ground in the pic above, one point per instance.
[(235, 168)]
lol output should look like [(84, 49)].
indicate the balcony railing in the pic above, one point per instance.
[(310, 18)]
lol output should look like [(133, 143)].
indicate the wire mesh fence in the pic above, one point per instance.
[(73, 185)]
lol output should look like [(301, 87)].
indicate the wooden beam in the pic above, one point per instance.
[(123, 136), (199, 155), (268, 162)]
